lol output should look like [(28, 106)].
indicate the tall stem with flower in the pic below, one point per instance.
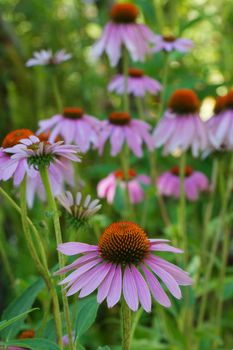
[(57, 229)]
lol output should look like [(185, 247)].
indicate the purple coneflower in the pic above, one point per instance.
[(181, 126), (46, 57), (29, 155), (195, 182), (120, 128), (123, 263), (170, 43), (221, 124), (138, 84), (73, 126), (106, 188), (79, 209), (123, 30)]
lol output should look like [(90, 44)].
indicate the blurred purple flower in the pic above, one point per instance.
[(123, 263), (138, 84), (181, 126), (170, 43), (220, 126), (73, 126), (195, 182), (122, 30), (120, 128), (106, 188)]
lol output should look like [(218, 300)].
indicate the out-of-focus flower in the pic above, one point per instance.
[(120, 128), (46, 57), (124, 31), (195, 182), (106, 188), (29, 155), (123, 263), (79, 209), (138, 84), (220, 126), (181, 126), (73, 126), (170, 43)]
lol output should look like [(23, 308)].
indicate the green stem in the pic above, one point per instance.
[(57, 229), (129, 211), (182, 207), (126, 325), (139, 104), (57, 96), (152, 161), (164, 85), (5, 260), (209, 208), (135, 322), (30, 223), (42, 268), (217, 236), (126, 75), (225, 251)]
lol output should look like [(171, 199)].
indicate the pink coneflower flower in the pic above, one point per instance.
[(138, 84), (79, 209), (170, 43), (124, 31), (181, 126), (120, 128), (29, 155), (46, 57), (73, 126), (106, 188), (123, 263), (195, 182), (221, 124)]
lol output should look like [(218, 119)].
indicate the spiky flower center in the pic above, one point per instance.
[(229, 100), (184, 101), (220, 103), (124, 13), (169, 38), (123, 243), (119, 118), (73, 112), (30, 333), (40, 160), (14, 137), (136, 72), (121, 176), (176, 171)]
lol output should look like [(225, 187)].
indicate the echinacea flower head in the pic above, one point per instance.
[(220, 126), (29, 156), (48, 58), (195, 182), (123, 263), (123, 31), (170, 43), (138, 84), (79, 209), (107, 187), (181, 126), (74, 126), (121, 128)]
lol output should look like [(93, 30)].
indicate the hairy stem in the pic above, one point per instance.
[(126, 325)]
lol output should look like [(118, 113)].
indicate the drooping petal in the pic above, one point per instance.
[(73, 248), (130, 289), (114, 293), (142, 288)]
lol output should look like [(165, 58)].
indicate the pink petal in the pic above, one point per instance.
[(130, 289), (72, 248), (105, 285), (114, 293), (142, 288)]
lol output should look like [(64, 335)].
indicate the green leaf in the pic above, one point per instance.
[(7, 323), (86, 315), (106, 347), (18, 306), (33, 344)]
